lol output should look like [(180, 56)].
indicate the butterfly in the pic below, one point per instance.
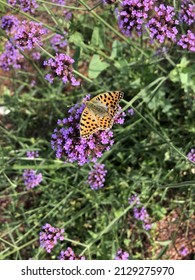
[(99, 112)]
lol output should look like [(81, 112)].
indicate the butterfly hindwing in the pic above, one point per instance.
[(88, 124)]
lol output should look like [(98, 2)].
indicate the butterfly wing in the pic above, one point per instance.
[(105, 122), (110, 99), (88, 124), (91, 120)]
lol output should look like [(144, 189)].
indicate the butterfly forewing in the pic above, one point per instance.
[(111, 99), (99, 113)]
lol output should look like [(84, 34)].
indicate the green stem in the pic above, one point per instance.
[(82, 76)]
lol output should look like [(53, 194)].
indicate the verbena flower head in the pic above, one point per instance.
[(31, 178), (69, 255), (8, 23), (61, 67), (96, 178), (163, 24), (49, 237), (32, 154), (140, 214), (121, 255), (29, 35), (133, 14), (187, 41), (67, 143), (36, 55), (191, 155), (11, 58), (187, 12), (183, 251), (131, 112), (58, 42), (25, 5), (133, 199)]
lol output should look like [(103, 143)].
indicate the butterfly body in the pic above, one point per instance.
[(97, 108), (99, 113)]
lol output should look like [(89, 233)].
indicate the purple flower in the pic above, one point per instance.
[(69, 255), (9, 23), (58, 41), (135, 199), (187, 41), (11, 58), (25, 5), (60, 2), (120, 116), (29, 34), (96, 178), (61, 66), (49, 237), (67, 143), (163, 24), (36, 55), (140, 214), (133, 14), (191, 155), (131, 112), (32, 154), (31, 178), (183, 251), (67, 15), (187, 12), (121, 255)]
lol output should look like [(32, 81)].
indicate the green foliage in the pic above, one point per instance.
[(148, 157)]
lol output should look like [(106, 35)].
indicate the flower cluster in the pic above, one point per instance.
[(133, 14), (36, 55), (31, 178), (69, 255), (163, 24), (140, 214), (49, 237), (131, 112), (32, 154), (187, 13), (191, 155), (25, 5), (61, 66), (8, 23), (29, 34), (96, 177), (121, 255), (58, 41), (187, 41), (10, 58), (67, 143)]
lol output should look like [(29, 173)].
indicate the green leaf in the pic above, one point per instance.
[(96, 66), (116, 49), (96, 39), (77, 39)]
